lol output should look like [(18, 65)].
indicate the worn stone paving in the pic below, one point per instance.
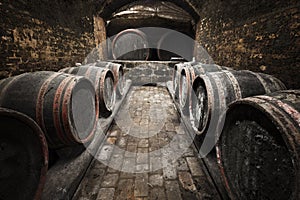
[(147, 155)]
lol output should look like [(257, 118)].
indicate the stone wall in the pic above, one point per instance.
[(258, 35), (143, 73), (43, 35)]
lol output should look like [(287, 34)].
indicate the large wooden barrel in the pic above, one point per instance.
[(175, 77), (130, 44), (118, 72), (63, 105), (259, 148), (188, 74), (175, 44), (214, 91), (103, 82), (23, 156)]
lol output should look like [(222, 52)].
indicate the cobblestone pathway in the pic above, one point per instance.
[(147, 155)]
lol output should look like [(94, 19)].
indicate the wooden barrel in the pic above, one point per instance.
[(214, 91), (130, 44), (118, 72), (175, 77), (187, 76), (23, 156), (258, 150), (63, 105), (175, 45), (103, 82)]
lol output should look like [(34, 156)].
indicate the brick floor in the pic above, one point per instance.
[(147, 155)]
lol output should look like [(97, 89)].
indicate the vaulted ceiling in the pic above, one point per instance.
[(108, 7)]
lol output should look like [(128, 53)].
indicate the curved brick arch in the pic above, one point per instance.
[(107, 7)]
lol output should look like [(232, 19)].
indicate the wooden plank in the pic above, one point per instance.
[(65, 176)]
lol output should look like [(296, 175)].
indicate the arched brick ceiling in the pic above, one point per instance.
[(162, 9), (107, 7)]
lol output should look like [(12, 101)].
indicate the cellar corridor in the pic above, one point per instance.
[(138, 159), (149, 100)]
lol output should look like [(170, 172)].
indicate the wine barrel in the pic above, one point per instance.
[(188, 74), (63, 105), (103, 82), (259, 148), (118, 72), (130, 44), (175, 77), (175, 44), (23, 156), (214, 91)]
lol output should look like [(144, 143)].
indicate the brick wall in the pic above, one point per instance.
[(259, 35), (142, 72), (41, 35), (262, 36)]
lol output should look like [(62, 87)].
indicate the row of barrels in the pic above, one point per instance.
[(45, 111), (134, 44), (249, 123)]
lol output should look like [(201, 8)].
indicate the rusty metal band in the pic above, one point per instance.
[(279, 85), (115, 70), (88, 72), (187, 77), (64, 70), (210, 99), (39, 111), (97, 90), (285, 107), (44, 169), (222, 100), (174, 74), (66, 117), (176, 77), (66, 111), (189, 86), (222, 171), (235, 84), (101, 88), (193, 77), (201, 69), (91, 134), (262, 81), (192, 72), (56, 109), (71, 70), (121, 84)]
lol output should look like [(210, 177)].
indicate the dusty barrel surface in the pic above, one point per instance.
[(258, 150), (130, 44), (118, 72), (103, 82), (188, 74), (212, 92), (23, 156), (175, 44), (63, 105)]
